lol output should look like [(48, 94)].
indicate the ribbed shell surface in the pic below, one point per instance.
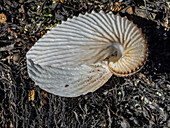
[(70, 60)]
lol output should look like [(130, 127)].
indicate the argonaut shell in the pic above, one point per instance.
[(81, 54)]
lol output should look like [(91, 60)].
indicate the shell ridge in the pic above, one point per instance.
[(92, 84), (114, 24), (76, 88), (100, 28), (119, 19), (130, 33), (128, 25), (127, 36), (131, 42), (105, 26), (94, 30), (123, 20)]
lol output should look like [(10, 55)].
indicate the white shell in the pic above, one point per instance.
[(70, 60)]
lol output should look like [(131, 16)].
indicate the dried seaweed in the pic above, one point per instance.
[(141, 100)]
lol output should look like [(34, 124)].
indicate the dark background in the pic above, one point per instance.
[(141, 100)]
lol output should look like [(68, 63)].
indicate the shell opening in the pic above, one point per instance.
[(118, 52)]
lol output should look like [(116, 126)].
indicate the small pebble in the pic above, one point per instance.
[(2, 18), (16, 57)]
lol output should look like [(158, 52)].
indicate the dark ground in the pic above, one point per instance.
[(141, 100)]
